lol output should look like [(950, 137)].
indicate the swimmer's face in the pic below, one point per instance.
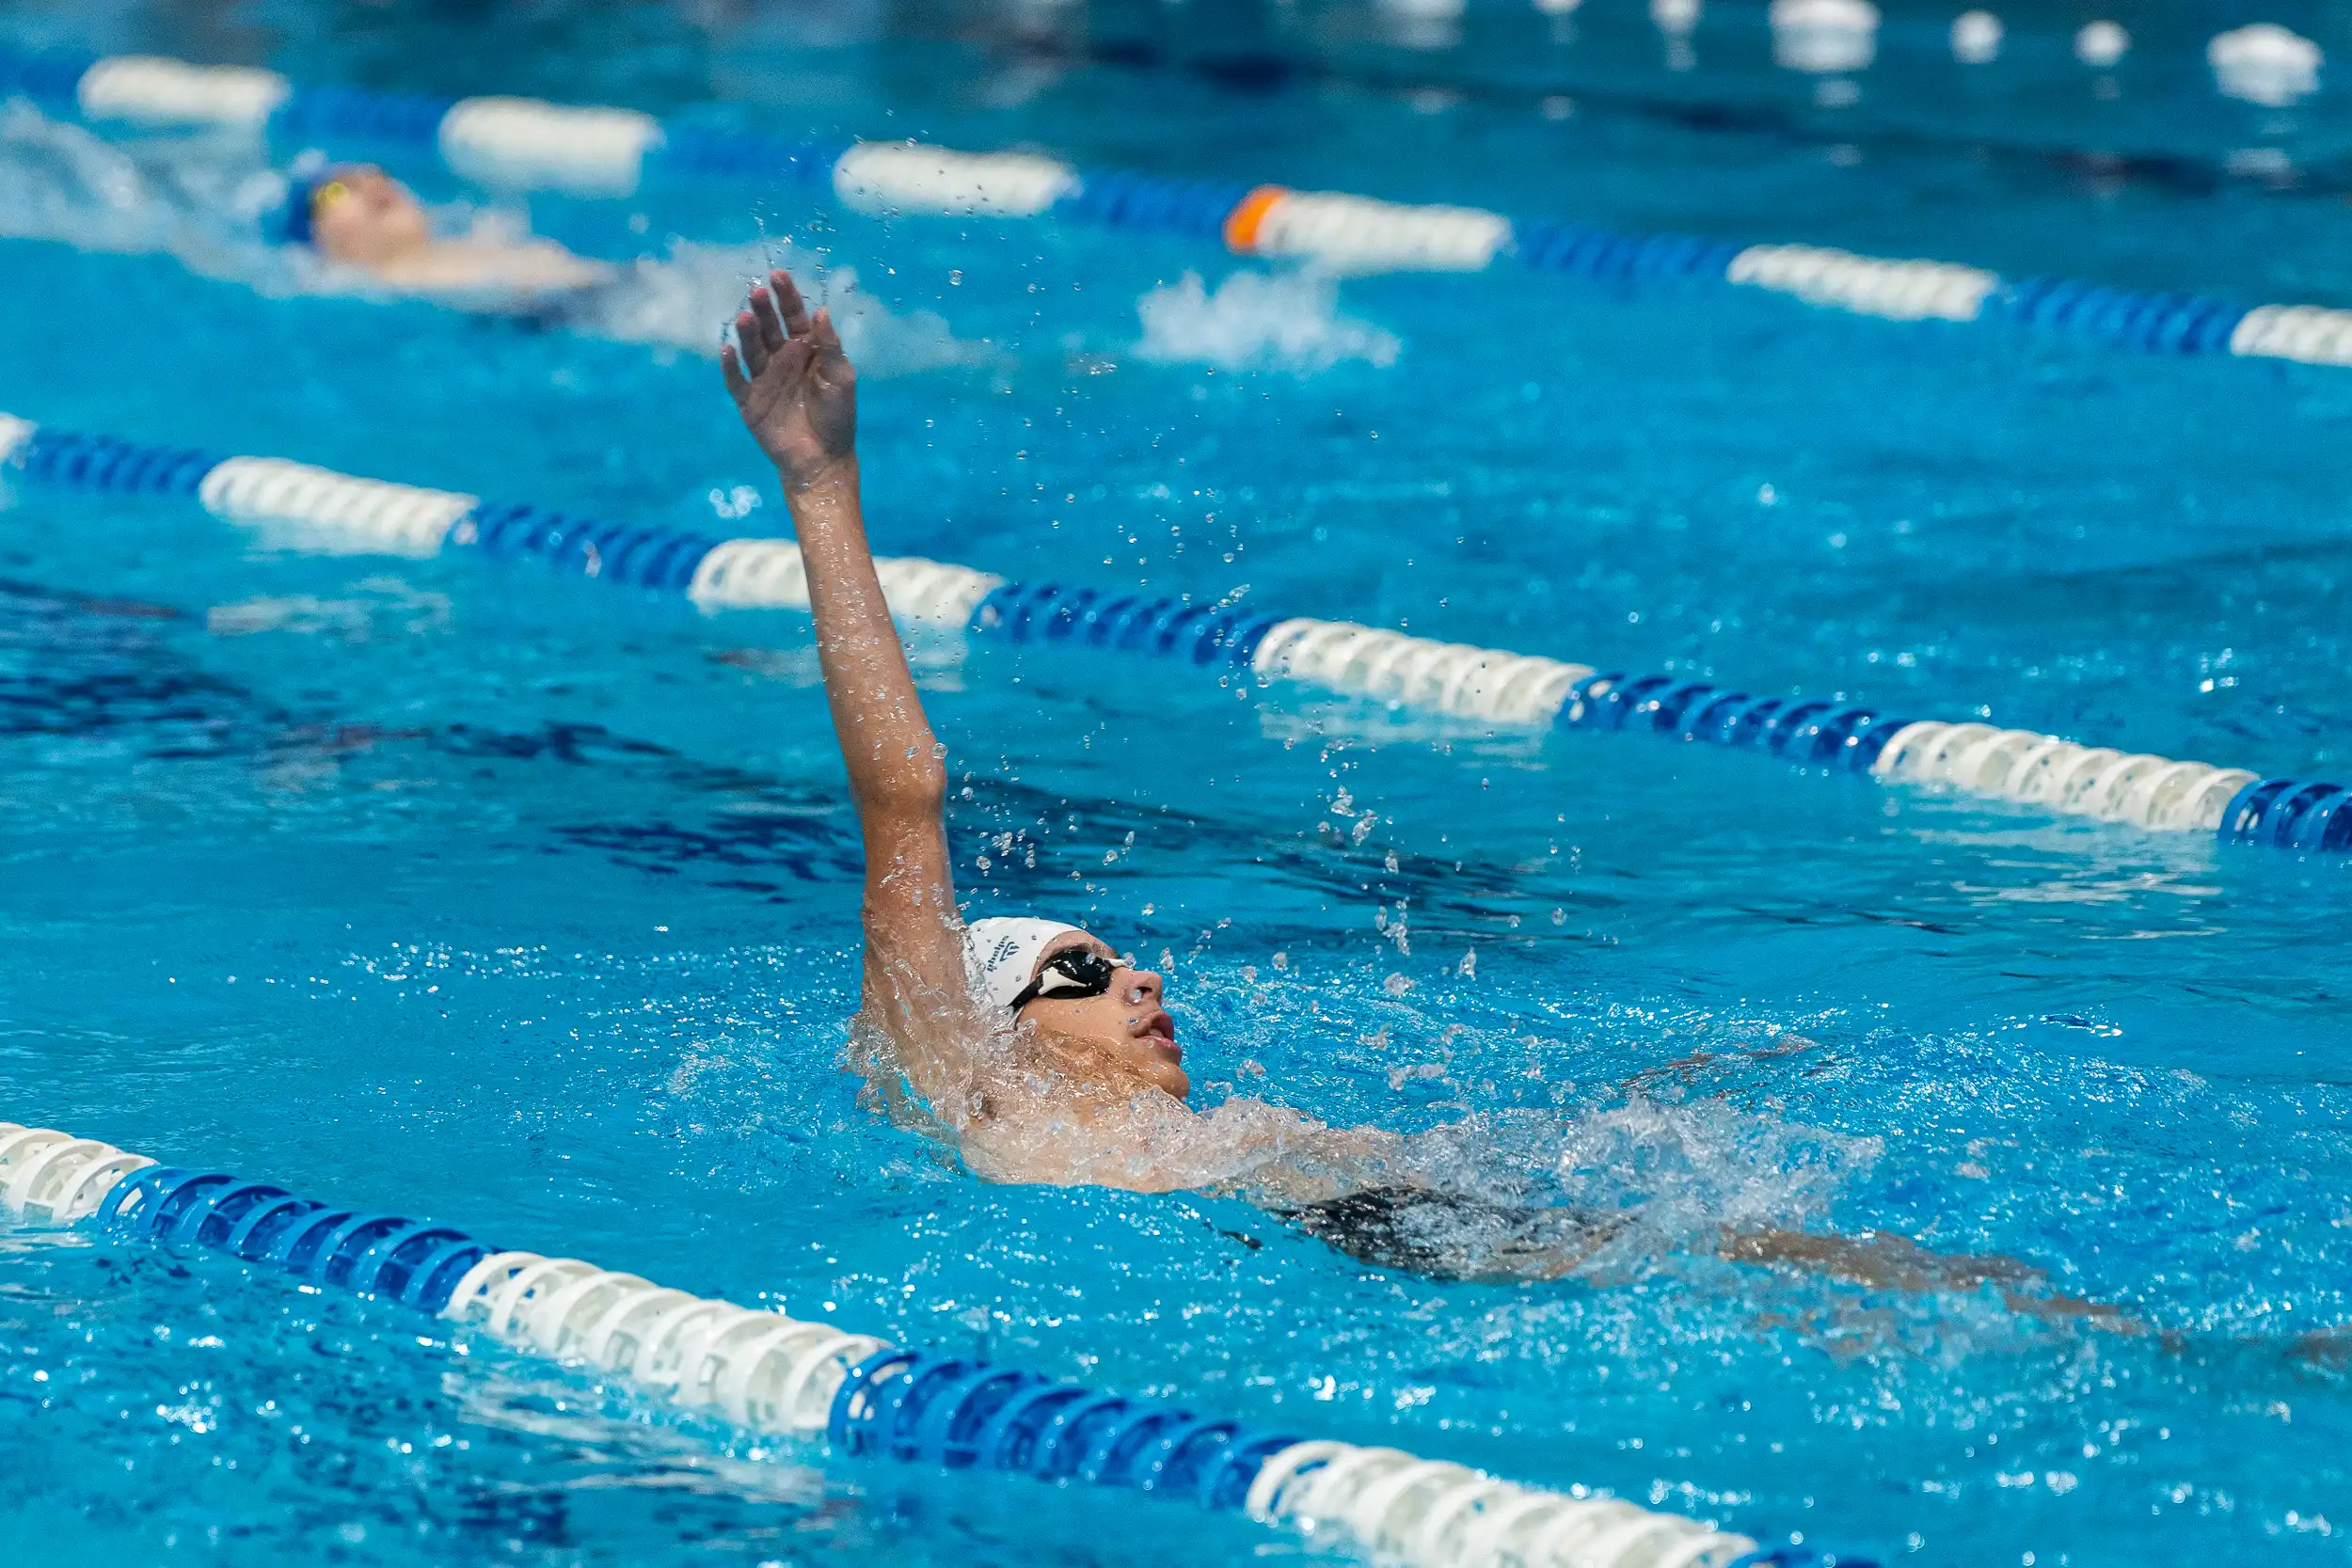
[(1125, 1028), (366, 217)]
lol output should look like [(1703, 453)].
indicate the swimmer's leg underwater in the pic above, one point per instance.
[(1442, 1235)]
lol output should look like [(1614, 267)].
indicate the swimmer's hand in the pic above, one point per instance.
[(792, 384)]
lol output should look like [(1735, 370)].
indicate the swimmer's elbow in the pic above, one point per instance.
[(917, 788), (926, 779)]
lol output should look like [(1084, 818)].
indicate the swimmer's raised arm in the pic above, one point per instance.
[(798, 395)]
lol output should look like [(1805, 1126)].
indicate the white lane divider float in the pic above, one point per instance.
[(521, 144), (1977, 37), (1823, 36), (1435, 1514), (913, 176), (1415, 671), (769, 574), (1897, 290), (1356, 234), (2265, 64), (2102, 45), (2311, 333), (153, 89), (752, 574), (14, 433), (53, 1178), (760, 1370), (331, 512), (2034, 769)]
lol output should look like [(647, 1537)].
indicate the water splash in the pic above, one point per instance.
[(680, 300), (1686, 1174), (1285, 321), (197, 199)]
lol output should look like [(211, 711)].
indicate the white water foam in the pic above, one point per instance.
[(681, 301), (195, 197), (1687, 1175), (1283, 321)]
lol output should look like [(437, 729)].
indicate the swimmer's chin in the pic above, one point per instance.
[(1156, 1031)]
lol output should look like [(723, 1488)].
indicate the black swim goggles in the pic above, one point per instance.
[(1073, 973)]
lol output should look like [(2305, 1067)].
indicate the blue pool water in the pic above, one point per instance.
[(474, 891)]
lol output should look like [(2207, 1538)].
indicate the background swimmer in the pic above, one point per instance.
[(213, 207), (1043, 1052), (358, 215)]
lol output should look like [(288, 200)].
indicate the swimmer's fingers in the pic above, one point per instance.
[(789, 305), (820, 332), (731, 367), (763, 308), (748, 335)]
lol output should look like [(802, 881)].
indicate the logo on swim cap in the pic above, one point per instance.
[(1001, 954), (312, 183)]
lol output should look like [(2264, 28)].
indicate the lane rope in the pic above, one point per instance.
[(863, 1397), (516, 144), (321, 511)]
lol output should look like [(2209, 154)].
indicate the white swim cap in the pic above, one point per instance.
[(1001, 954)]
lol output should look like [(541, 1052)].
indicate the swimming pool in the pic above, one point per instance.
[(526, 902)]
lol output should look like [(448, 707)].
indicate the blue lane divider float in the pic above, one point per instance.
[(381, 1255), (962, 1414), (521, 144), (318, 509), (770, 1372)]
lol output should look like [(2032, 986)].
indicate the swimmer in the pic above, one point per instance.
[(1044, 1054), (358, 215)]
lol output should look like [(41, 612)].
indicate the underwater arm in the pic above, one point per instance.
[(798, 395), (1882, 1260)]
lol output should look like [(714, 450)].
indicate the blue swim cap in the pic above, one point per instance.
[(290, 223), (295, 219)]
